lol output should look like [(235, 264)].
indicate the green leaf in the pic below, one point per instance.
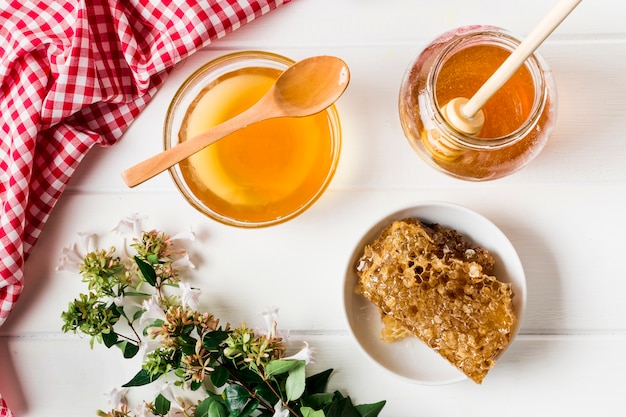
[(162, 405), (212, 340), (142, 377), (217, 409), (235, 397), (277, 367), (266, 394), (211, 407), (202, 410), (370, 410), (316, 384), (187, 329), (135, 294), (219, 376), (318, 401), (249, 408), (138, 314), (295, 381), (129, 350), (309, 412), (338, 395), (342, 407), (147, 271), (109, 339), (245, 376)]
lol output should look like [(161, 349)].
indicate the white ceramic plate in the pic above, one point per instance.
[(410, 359)]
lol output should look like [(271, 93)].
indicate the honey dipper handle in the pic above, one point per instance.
[(519, 55)]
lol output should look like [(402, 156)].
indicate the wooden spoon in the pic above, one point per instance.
[(305, 88)]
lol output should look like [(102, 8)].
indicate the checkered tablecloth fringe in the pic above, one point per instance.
[(75, 74)]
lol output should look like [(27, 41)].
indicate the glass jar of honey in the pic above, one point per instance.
[(519, 118)]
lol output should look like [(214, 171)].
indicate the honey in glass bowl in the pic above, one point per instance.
[(519, 117), (269, 171)]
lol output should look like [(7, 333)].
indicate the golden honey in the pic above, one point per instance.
[(519, 118), (263, 174), (467, 70)]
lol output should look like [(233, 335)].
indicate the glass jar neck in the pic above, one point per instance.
[(488, 36)]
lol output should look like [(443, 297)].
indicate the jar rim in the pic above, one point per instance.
[(495, 36)]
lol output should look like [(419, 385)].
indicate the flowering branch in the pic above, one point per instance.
[(216, 371)]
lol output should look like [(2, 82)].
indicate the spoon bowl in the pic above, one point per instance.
[(311, 85), (305, 88)]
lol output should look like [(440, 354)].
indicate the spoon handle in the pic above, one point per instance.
[(519, 55), (158, 163)]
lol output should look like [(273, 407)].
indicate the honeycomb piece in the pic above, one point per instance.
[(393, 330), (427, 281)]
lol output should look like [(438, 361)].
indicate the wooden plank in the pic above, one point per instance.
[(358, 22), (539, 375), (586, 146), (566, 248)]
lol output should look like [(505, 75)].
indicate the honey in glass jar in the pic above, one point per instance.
[(519, 117), (263, 174)]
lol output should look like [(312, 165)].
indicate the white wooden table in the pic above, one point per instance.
[(564, 213)]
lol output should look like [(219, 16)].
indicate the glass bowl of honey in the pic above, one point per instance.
[(264, 174), (519, 118)]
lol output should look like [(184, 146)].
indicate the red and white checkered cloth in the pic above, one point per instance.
[(74, 74)]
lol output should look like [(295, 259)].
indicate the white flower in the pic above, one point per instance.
[(117, 398), (167, 391), (130, 225), (73, 256), (88, 241), (183, 263), (153, 310), (283, 334), (188, 235), (142, 410), (70, 259), (118, 301), (306, 354), (270, 314), (149, 345), (279, 411), (121, 301), (190, 296)]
